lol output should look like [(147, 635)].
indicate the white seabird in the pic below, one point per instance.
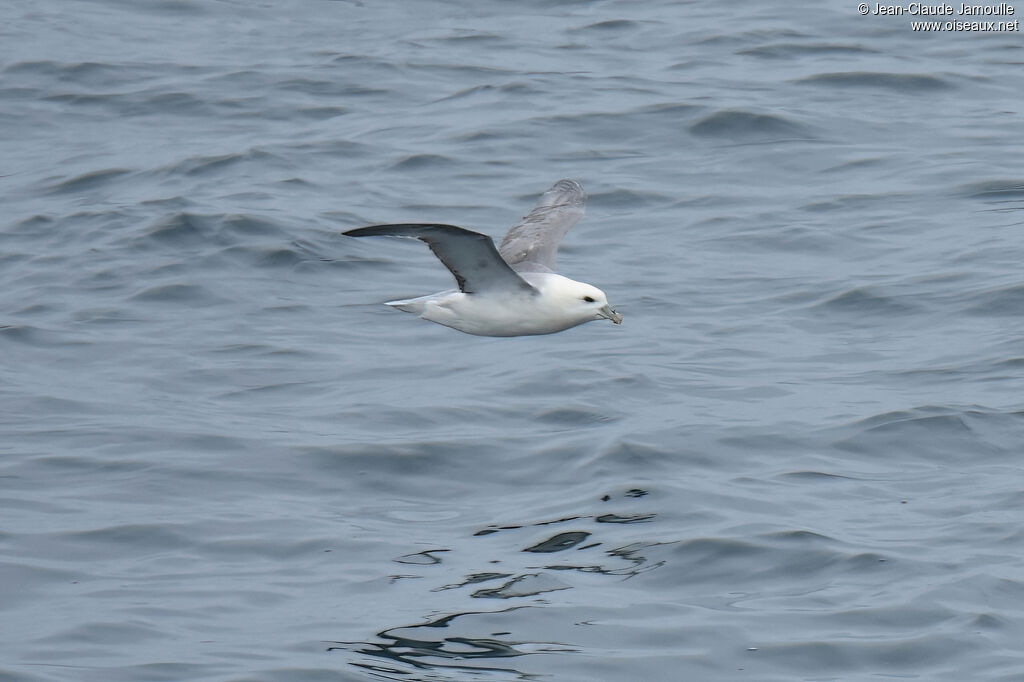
[(511, 290)]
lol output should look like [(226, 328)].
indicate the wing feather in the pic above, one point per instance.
[(470, 256), (532, 244)]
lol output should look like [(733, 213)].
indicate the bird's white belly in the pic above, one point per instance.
[(516, 315)]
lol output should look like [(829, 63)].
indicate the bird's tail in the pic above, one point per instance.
[(409, 305)]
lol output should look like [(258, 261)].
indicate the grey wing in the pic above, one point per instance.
[(532, 244), (469, 255)]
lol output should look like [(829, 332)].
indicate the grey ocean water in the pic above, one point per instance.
[(221, 458)]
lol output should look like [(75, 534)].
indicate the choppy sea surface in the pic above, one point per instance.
[(221, 459)]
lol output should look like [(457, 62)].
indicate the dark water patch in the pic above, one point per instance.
[(79, 101), (995, 190), (80, 465), (300, 389), (207, 165), (178, 204), (416, 162), (736, 124), (341, 148), (520, 89), (767, 560), (88, 181), (164, 103), (911, 654), (865, 301), (629, 199), (1002, 302), (26, 581), (402, 467), (929, 433), (788, 239), (145, 103), (481, 136), (135, 538), (642, 458), (99, 633), (636, 125), (244, 78), (177, 293), (93, 75), (608, 26), (246, 549), (852, 203), (335, 89), (36, 309), (351, 61), (30, 225), (456, 71), (242, 225), (469, 37), (897, 82), (322, 113), (893, 618), (568, 417), (8, 94), (467, 92), (670, 111), (855, 164), (267, 257), (183, 229), (802, 50), (294, 182), (33, 336)]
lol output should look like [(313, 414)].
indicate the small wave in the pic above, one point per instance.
[(87, 181), (798, 50), (328, 88), (141, 537), (182, 228), (422, 161), (746, 125), (205, 165), (607, 26), (468, 37), (900, 82), (322, 113), (628, 198), (865, 301), (27, 334), (92, 75), (574, 417), (178, 293), (1002, 302), (932, 432), (997, 188)]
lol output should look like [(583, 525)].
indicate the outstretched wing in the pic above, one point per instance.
[(532, 245), (470, 256)]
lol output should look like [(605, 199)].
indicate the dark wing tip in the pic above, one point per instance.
[(370, 231), (418, 230)]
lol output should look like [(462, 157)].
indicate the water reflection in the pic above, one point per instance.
[(414, 646), (435, 648)]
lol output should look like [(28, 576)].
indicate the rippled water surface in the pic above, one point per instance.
[(799, 458)]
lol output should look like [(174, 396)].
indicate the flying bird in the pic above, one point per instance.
[(511, 290)]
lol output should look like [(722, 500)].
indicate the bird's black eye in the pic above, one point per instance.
[(588, 299)]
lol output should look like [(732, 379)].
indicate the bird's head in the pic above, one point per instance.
[(585, 301)]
